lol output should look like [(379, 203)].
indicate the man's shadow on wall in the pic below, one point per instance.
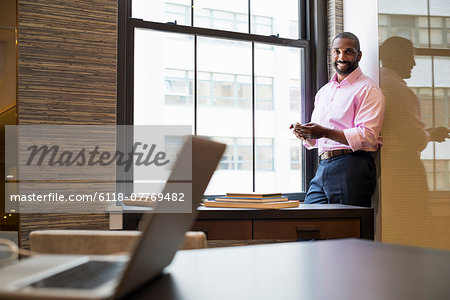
[(405, 194)]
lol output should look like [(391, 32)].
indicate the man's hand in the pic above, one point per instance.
[(296, 131), (311, 131), (438, 134)]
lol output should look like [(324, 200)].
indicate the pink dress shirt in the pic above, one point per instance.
[(356, 106)]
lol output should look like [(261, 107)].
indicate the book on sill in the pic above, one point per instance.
[(265, 205), (252, 200), (254, 195)]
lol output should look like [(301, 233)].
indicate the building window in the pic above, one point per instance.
[(420, 29), (296, 154), (238, 155), (179, 87)]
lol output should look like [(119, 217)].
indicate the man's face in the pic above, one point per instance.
[(405, 63), (345, 56)]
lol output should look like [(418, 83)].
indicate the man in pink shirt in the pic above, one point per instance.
[(345, 127)]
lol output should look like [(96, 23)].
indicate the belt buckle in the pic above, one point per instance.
[(325, 155)]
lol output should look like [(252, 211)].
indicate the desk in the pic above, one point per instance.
[(334, 269), (309, 221)]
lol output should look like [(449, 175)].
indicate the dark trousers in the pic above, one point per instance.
[(346, 179)]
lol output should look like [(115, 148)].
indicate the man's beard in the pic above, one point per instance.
[(351, 67)]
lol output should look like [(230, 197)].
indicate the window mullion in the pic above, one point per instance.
[(253, 119), (195, 85), (249, 17), (192, 13)]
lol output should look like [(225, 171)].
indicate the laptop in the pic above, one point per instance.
[(114, 276)]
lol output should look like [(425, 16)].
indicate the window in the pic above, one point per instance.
[(429, 81), (428, 28), (416, 28), (233, 71)]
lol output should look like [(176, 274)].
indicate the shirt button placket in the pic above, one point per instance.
[(328, 108)]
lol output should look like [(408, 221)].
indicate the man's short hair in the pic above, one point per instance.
[(394, 48), (351, 36)]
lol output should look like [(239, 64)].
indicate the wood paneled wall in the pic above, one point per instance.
[(67, 61), (335, 26), (67, 75)]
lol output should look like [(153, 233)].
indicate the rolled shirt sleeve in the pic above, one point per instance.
[(365, 135), (310, 144)]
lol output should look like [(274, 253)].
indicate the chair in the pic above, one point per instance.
[(97, 242)]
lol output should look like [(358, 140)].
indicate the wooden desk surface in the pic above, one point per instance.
[(365, 215), (303, 211), (335, 269), (132, 215)]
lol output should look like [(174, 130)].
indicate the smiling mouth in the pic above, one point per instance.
[(342, 64)]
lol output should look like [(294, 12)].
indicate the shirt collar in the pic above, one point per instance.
[(350, 79)]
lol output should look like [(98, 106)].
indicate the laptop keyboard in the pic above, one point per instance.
[(88, 275)]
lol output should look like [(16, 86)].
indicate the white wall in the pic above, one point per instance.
[(361, 18)]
